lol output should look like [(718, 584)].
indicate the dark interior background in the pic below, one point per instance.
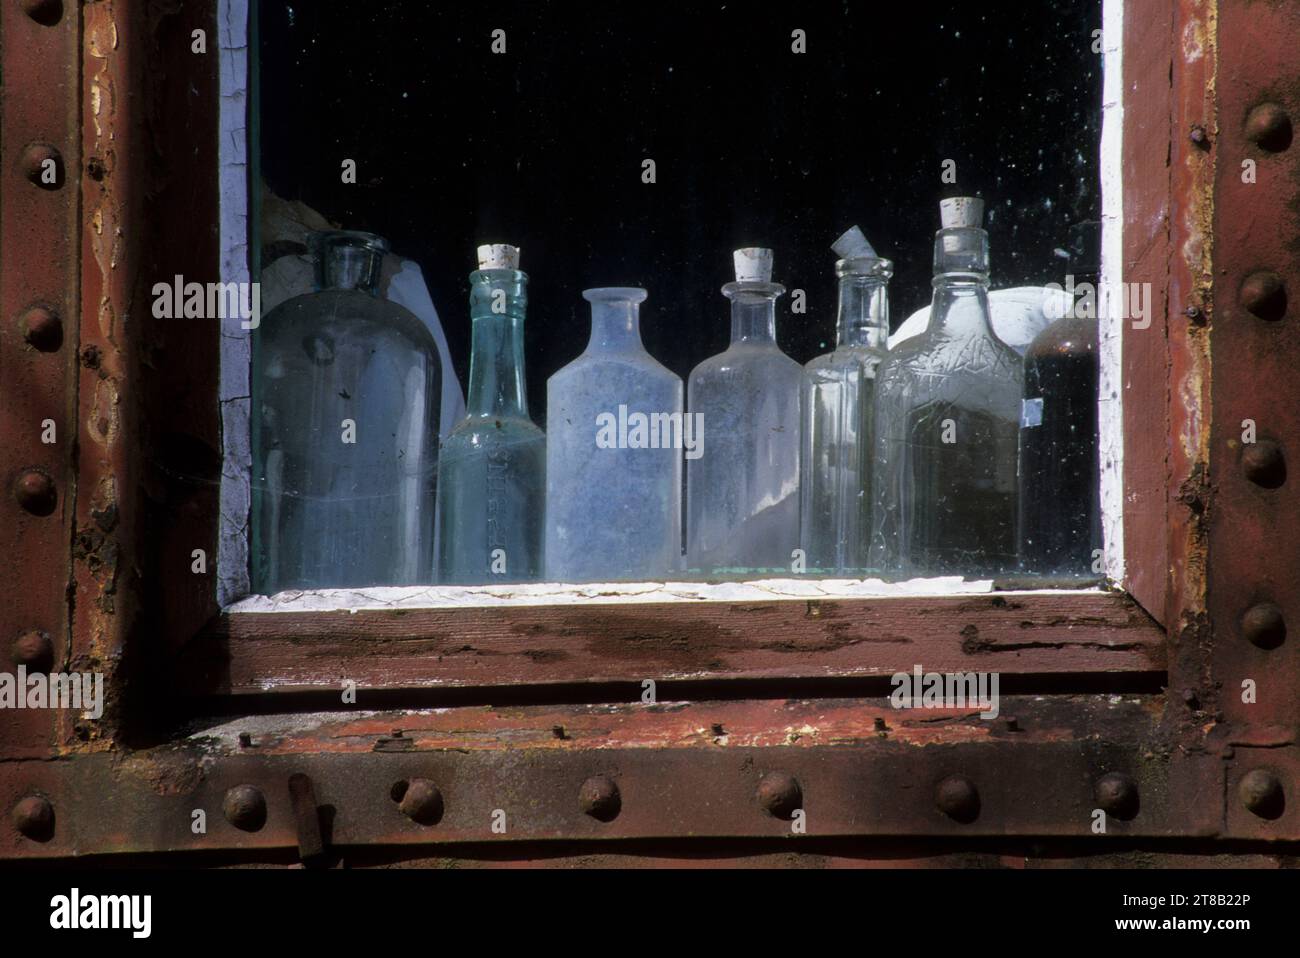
[(754, 146)]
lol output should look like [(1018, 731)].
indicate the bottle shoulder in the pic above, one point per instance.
[(740, 358), (487, 431), (347, 313)]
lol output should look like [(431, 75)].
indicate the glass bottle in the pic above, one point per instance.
[(1060, 469), (347, 393), (838, 406), (742, 491), (947, 418), (614, 435), (492, 471)]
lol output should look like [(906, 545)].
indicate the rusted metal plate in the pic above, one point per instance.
[(1012, 632)]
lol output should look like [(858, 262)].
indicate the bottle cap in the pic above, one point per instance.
[(498, 256), (961, 211), (753, 265), (852, 244)]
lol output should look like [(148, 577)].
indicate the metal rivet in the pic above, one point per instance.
[(35, 492), (957, 797), (45, 12), (1195, 314), (34, 817), (38, 160), (599, 797), (245, 808), (1263, 625), (1261, 792), (1117, 795), (780, 794), (41, 329), (1262, 463), (1269, 127), (419, 800), (1198, 135), (34, 650), (1263, 294)]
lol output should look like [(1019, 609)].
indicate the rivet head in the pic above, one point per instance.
[(599, 797), (35, 492), (34, 650), (780, 794), (1117, 795), (957, 797), (41, 328), (245, 808), (419, 800), (42, 164), (1263, 625), (1263, 463), (1263, 294), (34, 817), (1269, 127), (45, 12), (1261, 792)]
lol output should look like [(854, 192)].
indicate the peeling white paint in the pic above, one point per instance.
[(1110, 385)]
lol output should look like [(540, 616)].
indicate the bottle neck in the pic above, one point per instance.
[(615, 324), (346, 259), (753, 311), (961, 283), (862, 318), (497, 301)]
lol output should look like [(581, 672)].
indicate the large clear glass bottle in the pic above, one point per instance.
[(346, 398), (838, 405), (947, 418), (743, 491), (613, 454), (492, 471), (1060, 468)]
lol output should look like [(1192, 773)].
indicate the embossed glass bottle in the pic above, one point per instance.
[(613, 454), (743, 491), (346, 398), (492, 471), (947, 418), (838, 406)]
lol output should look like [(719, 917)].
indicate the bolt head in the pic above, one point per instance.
[(599, 797), (245, 808), (1269, 127), (957, 797), (1263, 294), (41, 328), (1261, 792), (45, 12), (34, 818), (421, 801), (34, 650), (780, 794), (37, 160), (1263, 625), (1117, 795), (35, 492), (1198, 135), (1263, 463)]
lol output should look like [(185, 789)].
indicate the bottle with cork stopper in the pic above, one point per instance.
[(492, 471), (838, 405), (742, 490), (947, 418)]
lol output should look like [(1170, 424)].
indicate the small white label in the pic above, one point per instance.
[(1031, 412)]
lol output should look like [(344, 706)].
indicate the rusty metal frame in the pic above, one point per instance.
[(103, 577)]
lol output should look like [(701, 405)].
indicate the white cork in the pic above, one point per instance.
[(753, 265), (852, 244), (498, 256), (961, 211)]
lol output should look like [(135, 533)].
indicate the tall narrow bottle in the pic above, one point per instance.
[(947, 418), (1060, 469), (614, 441), (838, 406), (743, 490), (346, 397), (492, 472)]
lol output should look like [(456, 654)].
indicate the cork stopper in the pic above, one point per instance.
[(498, 256), (961, 211), (852, 244), (753, 265)]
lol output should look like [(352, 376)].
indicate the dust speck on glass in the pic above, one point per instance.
[(674, 291)]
